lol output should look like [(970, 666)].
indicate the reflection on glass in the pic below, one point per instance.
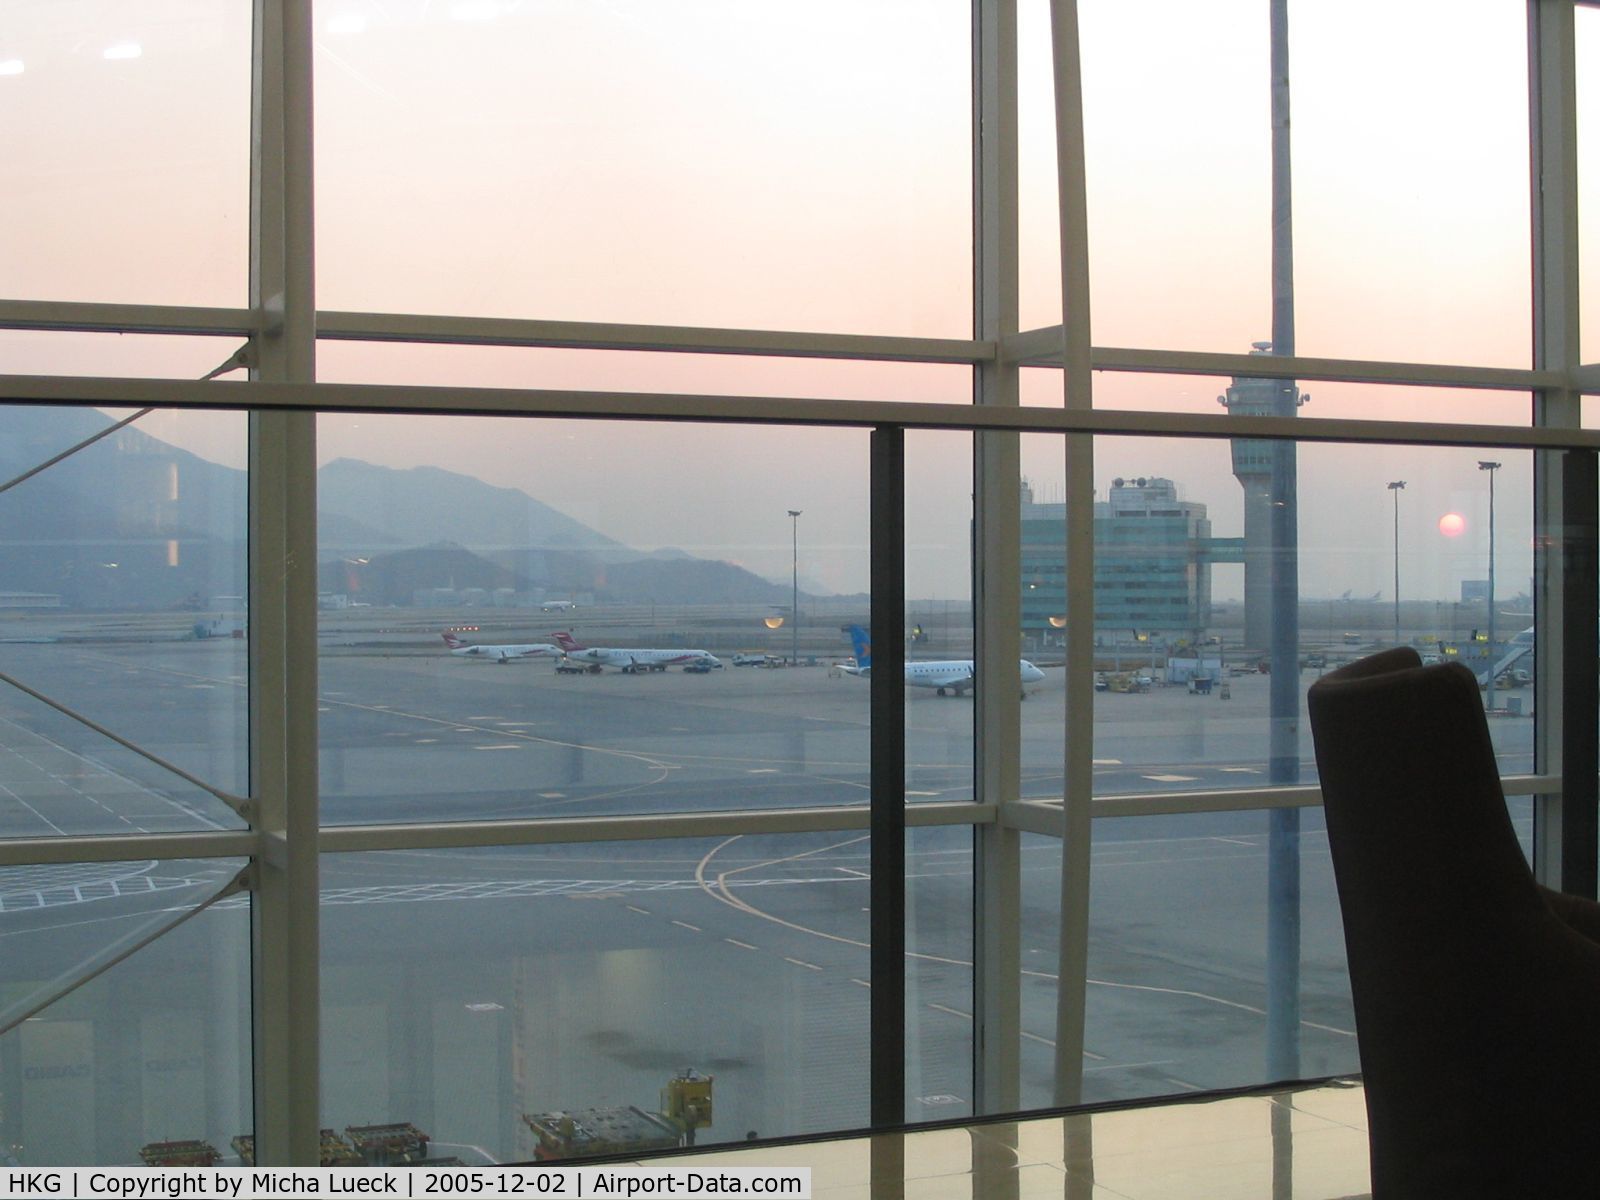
[(1177, 992), (124, 565), (156, 1049), (480, 995)]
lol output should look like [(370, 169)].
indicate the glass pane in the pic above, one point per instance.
[(1038, 211), (1587, 21), (466, 992), (939, 671), (638, 371), (125, 574), (1183, 614), (140, 356), (806, 167), (156, 1049), (604, 587), (1177, 988), (1410, 179), (98, 204), (1391, 178), (1177, 156)]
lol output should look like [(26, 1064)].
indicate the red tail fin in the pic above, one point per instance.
[(564, 640), (452, 641)]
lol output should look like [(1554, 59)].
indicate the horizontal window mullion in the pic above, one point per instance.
[(17, 852), (764, 410), (68, 316), (683, 339), (1044, 816), (1042, 348), (656, 826)]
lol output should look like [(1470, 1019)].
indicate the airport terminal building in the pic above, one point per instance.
[(1152, 566)]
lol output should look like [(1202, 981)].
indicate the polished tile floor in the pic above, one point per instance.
[(1305, 1144)]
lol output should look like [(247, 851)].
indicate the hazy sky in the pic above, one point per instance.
[(806, 166)]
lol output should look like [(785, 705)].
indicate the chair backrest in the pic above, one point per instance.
[(1477, 1010)]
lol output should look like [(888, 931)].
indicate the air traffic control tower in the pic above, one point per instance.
[(1252, 467)]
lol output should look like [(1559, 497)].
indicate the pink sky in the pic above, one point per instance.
[(801, 167)]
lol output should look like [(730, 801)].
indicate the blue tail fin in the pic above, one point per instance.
[(862, 645)]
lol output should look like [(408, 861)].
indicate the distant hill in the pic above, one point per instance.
[(423, 506), (134, 522)]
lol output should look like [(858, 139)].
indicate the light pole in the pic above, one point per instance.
[(1397, 486), (1488, 691), (794, 582)]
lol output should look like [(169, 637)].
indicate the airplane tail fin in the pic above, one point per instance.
[(452, 641), (566, 642), (862, 645)]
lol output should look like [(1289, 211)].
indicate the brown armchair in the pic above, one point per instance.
[(1477, 992)]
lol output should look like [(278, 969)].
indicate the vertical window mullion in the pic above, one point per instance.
[(286, 1001), (888, 817), (1553, 159), (1077, 383), (997, 569)]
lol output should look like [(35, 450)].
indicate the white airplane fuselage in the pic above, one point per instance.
[(950, 676), (503, 653), (637, 662)]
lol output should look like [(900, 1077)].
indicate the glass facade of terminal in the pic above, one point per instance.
[(583, 578)]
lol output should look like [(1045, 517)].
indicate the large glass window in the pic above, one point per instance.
[(650, 635)]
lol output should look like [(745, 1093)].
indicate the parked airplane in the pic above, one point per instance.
[(556, 606), (500, 653), (951, 675), (634, 662)]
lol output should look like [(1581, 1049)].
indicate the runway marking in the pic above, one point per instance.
[(1184, 1084), (426, 741), (862, 982), (506, 746), (720, 891), (853, 871), (762, 771), (552, 795), (686, 925), (1105, 762), (1241, 770), (954, 1012), (637, 909), (800, 962), (1172, 778), (1234, 841), (741, 945), (909, 792)]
